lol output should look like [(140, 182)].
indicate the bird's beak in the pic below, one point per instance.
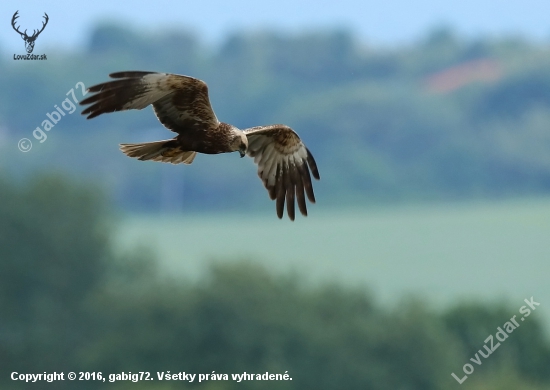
[(243, 153)]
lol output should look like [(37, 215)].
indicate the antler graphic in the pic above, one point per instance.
[(15, 16), (36, 33), (29, 41)]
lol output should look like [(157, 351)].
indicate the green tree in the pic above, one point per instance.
[(525, 351), (54, 249)]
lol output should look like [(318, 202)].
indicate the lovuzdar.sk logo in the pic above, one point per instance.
[(29, 40)]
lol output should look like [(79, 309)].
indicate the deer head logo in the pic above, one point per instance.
[(29, 41)]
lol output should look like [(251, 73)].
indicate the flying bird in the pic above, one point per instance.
[(182, 105)]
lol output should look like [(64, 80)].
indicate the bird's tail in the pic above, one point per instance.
[(164, 151)]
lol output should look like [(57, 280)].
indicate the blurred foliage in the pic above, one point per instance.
[(53, 251), (68, 303), (446, 118)]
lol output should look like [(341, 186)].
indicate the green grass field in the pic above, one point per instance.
[(492, 251)]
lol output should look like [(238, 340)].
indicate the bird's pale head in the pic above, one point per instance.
[(239, 142)]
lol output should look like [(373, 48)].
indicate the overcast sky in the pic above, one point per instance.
[(376, 22)]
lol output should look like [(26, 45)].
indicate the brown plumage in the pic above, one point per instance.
[(182, 105)]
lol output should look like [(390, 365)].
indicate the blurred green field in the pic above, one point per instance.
[(486, 251)]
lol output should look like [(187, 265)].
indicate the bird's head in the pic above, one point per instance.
[(239, 142)]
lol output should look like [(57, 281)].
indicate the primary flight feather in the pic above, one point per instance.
[(182, 105)]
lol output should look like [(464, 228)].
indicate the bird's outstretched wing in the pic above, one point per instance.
[(284, 165), (181, 103)]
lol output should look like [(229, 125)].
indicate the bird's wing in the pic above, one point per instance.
[(180, 102), (284, 165)]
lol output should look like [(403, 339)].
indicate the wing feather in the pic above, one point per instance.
[(268, 154), (181, 103), (308, 186), (290, 191), (284, 165), (300, 198), (280, 201)]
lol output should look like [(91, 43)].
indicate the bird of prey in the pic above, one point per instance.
[(182, 105)]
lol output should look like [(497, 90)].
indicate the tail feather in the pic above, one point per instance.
[(163, 151)]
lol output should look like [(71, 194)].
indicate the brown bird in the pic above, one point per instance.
[(182, 105)]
